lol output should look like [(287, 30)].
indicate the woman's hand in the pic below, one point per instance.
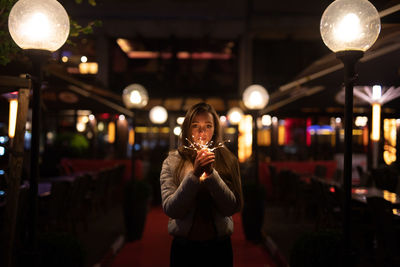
[(203, 162)]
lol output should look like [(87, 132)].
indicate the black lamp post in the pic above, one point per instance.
[(234, 116), (39, 27), (158, 115), (255, 98), (135, 97), (349, 28)]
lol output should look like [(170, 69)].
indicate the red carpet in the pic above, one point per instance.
[(153, 249)]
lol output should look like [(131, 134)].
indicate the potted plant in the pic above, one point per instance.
[(254, 196), (137, 200)]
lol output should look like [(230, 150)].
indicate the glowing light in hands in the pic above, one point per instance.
[(197, 146)]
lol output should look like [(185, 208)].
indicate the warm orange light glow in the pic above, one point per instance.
[(389, 135), (124, 45), (148, 54), (264, 137), (203, 176), (12, 118), (245, 139), (281, 135), (88, 68), (365, 136), (80, 126), (376, 122), (389, 196), (111, 132), (131, 139), (179, 55)]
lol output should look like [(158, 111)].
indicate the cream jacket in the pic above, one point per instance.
[(178, 202)]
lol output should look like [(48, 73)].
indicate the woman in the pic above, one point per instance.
[(201, 190)]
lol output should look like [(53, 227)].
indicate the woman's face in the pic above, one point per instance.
[(202, 128)]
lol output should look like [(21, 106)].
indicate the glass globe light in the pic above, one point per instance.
[(177, 130), (234, 115), (39, 24), (158, 115), (135, 96), (350, 25), (255, 97)]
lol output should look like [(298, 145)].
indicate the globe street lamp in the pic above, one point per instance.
[(135, 97), (234, 115), (158, 115), (349, 28), (39, 27), (255, 98)]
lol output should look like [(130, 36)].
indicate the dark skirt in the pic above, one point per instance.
[(216, 252)]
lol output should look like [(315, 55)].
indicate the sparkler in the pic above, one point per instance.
[(196, 146)]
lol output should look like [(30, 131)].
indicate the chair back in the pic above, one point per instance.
[(383, 220), (320, 171), (385, 178)]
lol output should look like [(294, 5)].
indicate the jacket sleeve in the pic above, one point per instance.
[(177, 201), (225, 200)]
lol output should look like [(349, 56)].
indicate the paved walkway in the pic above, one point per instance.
[(153, 249)]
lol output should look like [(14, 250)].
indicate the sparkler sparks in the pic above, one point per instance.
[(196, 146)]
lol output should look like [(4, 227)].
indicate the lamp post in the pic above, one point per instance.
[(39, 27), (376, 96), (349, 28), (135, 97), (234, 115), (255, 98), (158, 115)]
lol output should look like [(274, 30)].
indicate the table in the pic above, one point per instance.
[(44, 187), (362, 193)]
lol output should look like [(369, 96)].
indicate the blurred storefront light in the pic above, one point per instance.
[(361, 121), (111, 132), (390, 140), (12, 118), (376, 112), (88, 68), (245, 138)]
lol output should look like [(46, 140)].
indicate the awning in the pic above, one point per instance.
[(64, 92), (318, 88)]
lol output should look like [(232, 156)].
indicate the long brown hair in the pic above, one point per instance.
[(226, 164)]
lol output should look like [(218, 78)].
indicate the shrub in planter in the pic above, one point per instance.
[(315, 249), (71, 145), (153, 177), (137, 199), (253, 210)]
